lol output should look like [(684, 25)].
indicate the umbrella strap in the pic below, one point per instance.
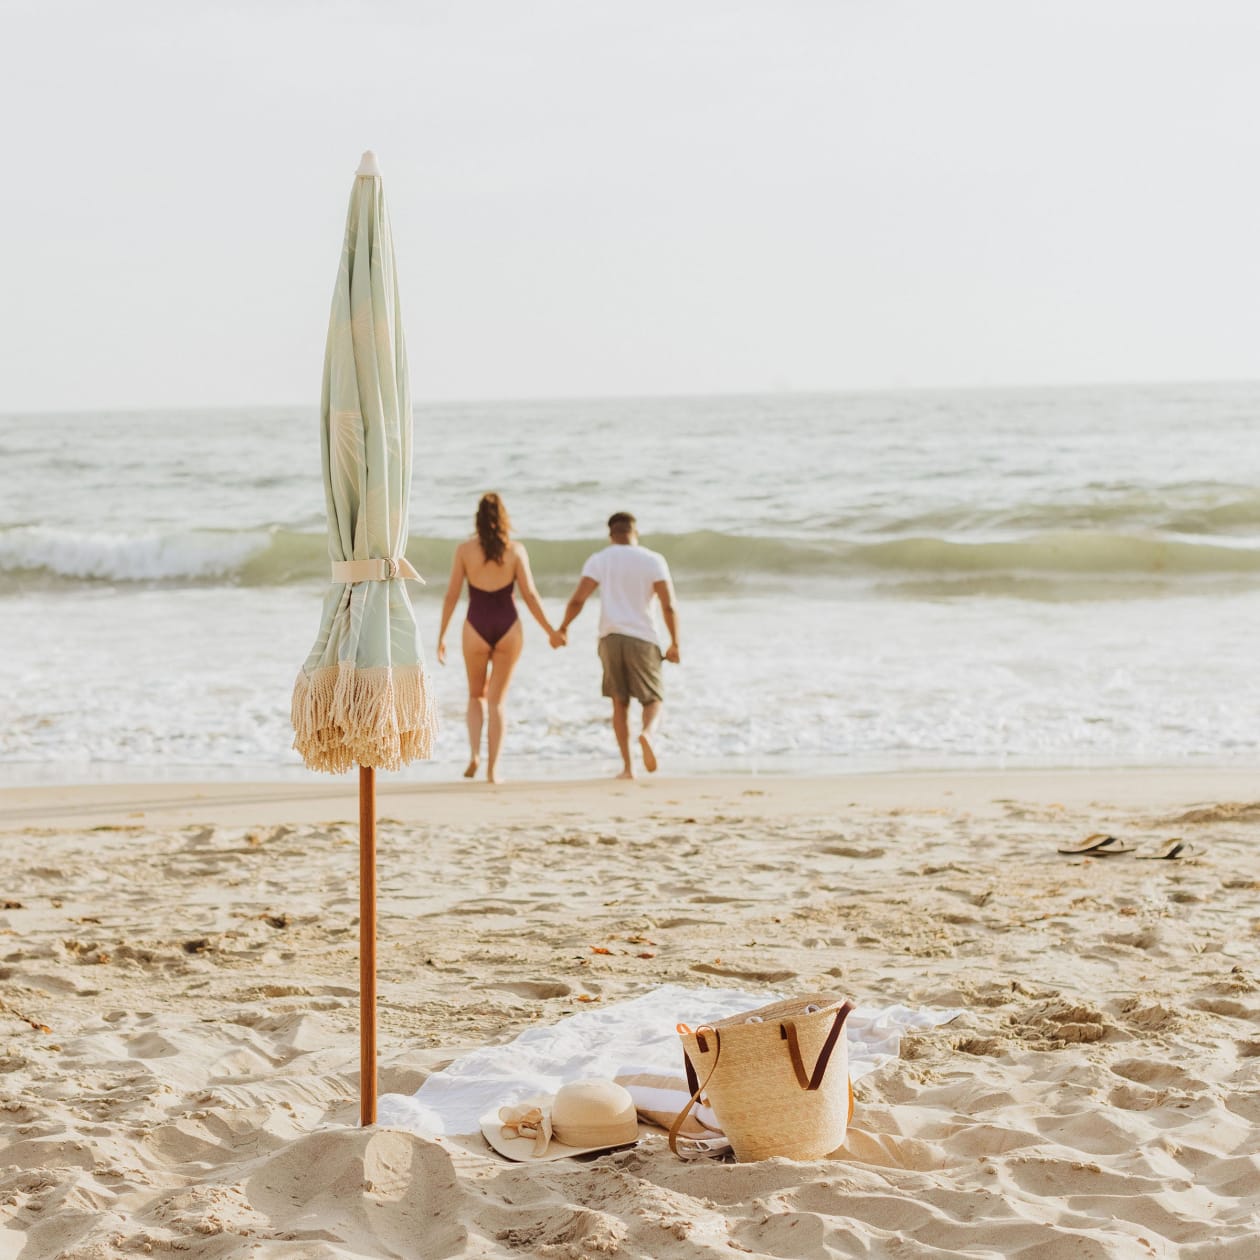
[(374, 570)]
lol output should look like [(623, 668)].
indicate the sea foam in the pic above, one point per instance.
[(141, 557)]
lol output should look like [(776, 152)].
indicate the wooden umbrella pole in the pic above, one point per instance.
[(367, 945)]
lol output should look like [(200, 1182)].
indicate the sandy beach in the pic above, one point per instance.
[(179, 1021), (850, 405)]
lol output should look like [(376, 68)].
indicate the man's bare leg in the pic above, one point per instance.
[(651, 715), (621, 728)]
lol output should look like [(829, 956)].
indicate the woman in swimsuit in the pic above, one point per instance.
[(492, 563)]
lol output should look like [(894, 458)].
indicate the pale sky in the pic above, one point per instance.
[(644, 197)]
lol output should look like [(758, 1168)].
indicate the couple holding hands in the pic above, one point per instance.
[(628, 577)]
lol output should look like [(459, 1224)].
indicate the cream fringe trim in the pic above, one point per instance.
[(345, 717)]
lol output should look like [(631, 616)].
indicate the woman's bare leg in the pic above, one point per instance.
[(503, 663), (476, 662)]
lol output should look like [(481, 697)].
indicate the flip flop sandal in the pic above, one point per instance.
[(1092, 844), (1174, 848), (1110, 850)]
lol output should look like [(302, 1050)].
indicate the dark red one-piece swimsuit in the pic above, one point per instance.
[(491, 613)]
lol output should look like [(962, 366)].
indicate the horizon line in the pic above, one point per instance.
[(770, 392)]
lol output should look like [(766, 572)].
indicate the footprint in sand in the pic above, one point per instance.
[(151, 1045), (1152, 1072), (767, 975), (1227, 1007), (1055, 1024), (1146, 938), (485, 907), (981, 1045), (1237, 980), (533, 988), (293, 990)]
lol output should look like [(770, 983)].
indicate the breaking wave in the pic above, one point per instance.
[(711, 559)]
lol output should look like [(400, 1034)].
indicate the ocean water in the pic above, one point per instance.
[(866, 581)]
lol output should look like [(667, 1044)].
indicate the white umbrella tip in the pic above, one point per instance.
[(369, 166)]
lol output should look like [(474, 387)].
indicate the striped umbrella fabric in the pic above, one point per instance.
[(363, 697)]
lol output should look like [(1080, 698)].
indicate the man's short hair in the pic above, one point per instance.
[(621, 523)]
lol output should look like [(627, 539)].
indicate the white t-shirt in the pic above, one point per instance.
[(626, 574)]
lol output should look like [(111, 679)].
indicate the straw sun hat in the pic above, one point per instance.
[(580, 1117)]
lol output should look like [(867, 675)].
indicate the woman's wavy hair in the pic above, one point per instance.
[(494, 527)]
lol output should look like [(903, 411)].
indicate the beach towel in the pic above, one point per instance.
[(619, 1041)]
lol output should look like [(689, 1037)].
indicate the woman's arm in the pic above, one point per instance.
[(453, 589), (529, 593)]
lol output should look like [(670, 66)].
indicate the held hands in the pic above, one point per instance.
[(671, 654), (558, 638)]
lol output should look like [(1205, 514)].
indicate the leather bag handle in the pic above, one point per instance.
[(812, 1080), (693, 1082)]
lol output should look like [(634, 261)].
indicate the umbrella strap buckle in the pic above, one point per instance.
[(378, 569)]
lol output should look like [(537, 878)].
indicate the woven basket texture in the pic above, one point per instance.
[(754, 1089)]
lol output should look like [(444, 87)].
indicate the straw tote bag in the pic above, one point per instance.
[(777, 1078)]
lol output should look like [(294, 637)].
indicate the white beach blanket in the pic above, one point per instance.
[(637, 1037)]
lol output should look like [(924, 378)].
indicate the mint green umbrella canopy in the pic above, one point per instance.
[(364, 697)]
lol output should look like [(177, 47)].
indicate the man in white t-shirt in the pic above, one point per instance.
[(629, 578)]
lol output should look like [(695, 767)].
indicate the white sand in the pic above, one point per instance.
[(191, 953)]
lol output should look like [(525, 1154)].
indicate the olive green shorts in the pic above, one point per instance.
[(632, 668)]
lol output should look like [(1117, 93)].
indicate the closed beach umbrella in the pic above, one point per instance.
[(363, 696)]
